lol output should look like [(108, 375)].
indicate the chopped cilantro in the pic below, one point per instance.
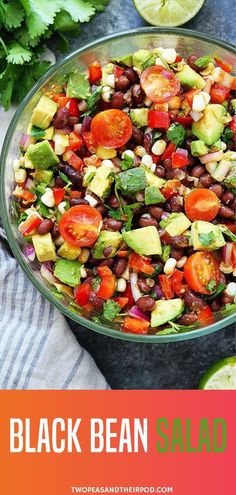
[(176, 134), (44, 210), (227, 135), (228, 232), (176, 328), (93, 100), (127, 162), (110, 310), (37, 132), (124, 213), (41, 188), (65, 178), (203, 62), (206, 239), (211, 285), (95, 283), (165, 252), (216, 290)]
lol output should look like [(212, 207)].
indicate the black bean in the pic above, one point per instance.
[(123, 83), (119, 266), (177, 254), (112, 224), (74, 175), (156, 212), (131, 75), (102, 209), (227, 197), (61, 118), (226, 212), (143, 286), (225, 299), (107, 262), (73, 120), (117, 100), (193, 301), (179, 241), (176, 203), (78, 201), (107, 251), (206, 180), (146, 303), (198, 171), (137, 135), (113, 201), (128, 98), (45, 226), (55, 231), (187, 319), (59, 182), (96, 302), (160, 171), (217, 189), (191, 61), (147, 141), (216, 305), (138, 94), (148, 222)]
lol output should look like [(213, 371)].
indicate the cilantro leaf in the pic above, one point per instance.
[(203, 62), (227, 135), (228, 232), (28, 74), (65, 178), (176, 134), (79, 10), (95, 283), (206, 239), (110, 310), (127, 162), (228, 310), (11, 14), (99, 5), (128, 211), (93, 100), (216, 290), (37, 132), (44, 210), (211, 285), (17, 54), (39, 15), (176, 328), (165, 252), (7, 80)]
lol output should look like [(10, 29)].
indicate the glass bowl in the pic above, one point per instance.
[(104, 49)]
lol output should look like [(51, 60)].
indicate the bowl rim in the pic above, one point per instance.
[(109, 332)]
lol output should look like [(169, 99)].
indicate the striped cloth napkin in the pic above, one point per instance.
[(37, 348)]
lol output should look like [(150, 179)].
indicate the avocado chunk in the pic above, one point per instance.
[(44, 247), (126, 60), (106, 239), (233, 103), (198, 148), (41, 155), (101, 182), (139, 116), (132, 180), (64, 289), (152, 179), (210, 127), (191, 78), (78, 86), (144, 241), (176, 224), (44, 112), (68, 272), (142, 59), (90, 172), (153, 196), (206, 235), (69, 252), (44, 176), (165, 311)]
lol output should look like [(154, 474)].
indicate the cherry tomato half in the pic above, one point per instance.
[(200, 269), (159, 84), (111, 128), (202, 204), (79, 225)]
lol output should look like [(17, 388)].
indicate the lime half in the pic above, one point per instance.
[(168, 12), (221, 376)]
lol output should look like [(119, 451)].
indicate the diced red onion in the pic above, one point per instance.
[(94, 88), (158, 292), (47, 274), (26, 141), (211, 157), (23, 139), (227, 253), (134, 286), (86, 124), (29, 184), (29, 251), (182, 151), (48, 265), (137, 313), (165, 215)]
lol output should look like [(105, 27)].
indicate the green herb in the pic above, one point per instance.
[(206, 239), (211, 285), (176, 134), (92, 101), (165, 223), (41, 188), (57, 294), (110, 310), (165, 252), (203, 62), (43, 210), (176, 328), (127, 162), (65, 178), (156, 135), (124, 213), (95, 283), (228, 310), (227, 135), (36, 132), (26, 26), (132, 181), (215, 292), (228, 232), (22, 217)]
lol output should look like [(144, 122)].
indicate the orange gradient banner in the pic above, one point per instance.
[(178, 424)]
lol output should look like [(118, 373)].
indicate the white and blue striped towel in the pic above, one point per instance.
[(37, 348)]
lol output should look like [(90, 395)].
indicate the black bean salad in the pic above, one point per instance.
[(125, 190)]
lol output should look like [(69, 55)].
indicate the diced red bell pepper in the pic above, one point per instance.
[(184, 120), (89, 141), (158, 120), (73, 108), (108, 283), (118, 71), (95, 72), (140, 264), (128, 294), (155, 158), (190, 94), (171, 147), (58, 194), (25, 195), (135, 326), (75, 141), (233, 85), (82, 294), (170, 188), (219, 93), (166, 286), (30, 224), (223, 65), (61, 99), (122, 301), (234, 255), (178, 59), (205, 316), (177, 283), (179, 160), (73, 160), (232, 124)]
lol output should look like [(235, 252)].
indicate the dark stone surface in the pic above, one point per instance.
[(166, 366)]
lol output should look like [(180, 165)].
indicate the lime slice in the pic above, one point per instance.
[(221, 376), (168, 12)]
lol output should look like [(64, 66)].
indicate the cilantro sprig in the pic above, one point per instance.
[(25, 27), (176, 134)]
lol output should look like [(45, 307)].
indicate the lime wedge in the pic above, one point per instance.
[(221, 376), (168, 12)]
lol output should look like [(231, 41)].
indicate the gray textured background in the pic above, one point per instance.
[(167, 366)]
